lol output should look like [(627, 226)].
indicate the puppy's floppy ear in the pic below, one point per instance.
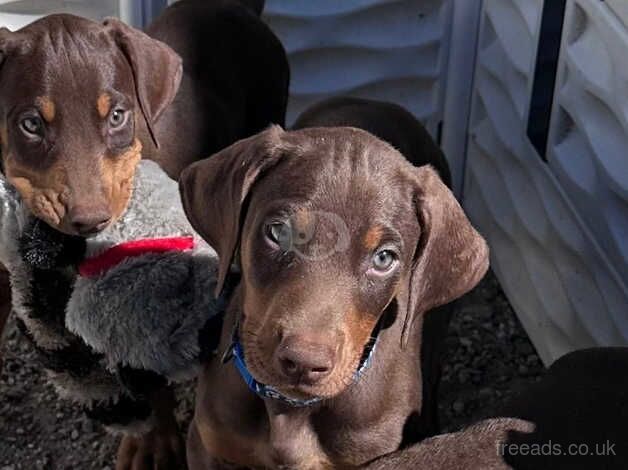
[(157, 70), (13, 43), (214, 191), (5, 43), (451, 256)]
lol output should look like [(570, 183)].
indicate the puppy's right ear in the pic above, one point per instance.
[(214, 191), (10, 43)]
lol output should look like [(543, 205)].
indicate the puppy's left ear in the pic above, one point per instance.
[(451, 256), (157, 70), (6, 42)]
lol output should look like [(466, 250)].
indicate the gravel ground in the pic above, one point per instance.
[(489, 358)]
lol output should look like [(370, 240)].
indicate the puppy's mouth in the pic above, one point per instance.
[(345, 373), (83, 232)]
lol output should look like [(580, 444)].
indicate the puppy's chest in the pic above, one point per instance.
[(298, 442)]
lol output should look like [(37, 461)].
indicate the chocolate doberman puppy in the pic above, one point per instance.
[(343, 246), (81, 102)]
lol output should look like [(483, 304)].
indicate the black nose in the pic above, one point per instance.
[(303, 361), (86, 222)]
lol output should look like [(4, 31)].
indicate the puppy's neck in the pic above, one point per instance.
[(292, 437)]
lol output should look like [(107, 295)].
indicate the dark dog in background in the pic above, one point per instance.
[(388, 121), (573, 419), (81, 102), (343, 246)]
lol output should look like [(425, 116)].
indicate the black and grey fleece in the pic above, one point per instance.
[(106, 341)]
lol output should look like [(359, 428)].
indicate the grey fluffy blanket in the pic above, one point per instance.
[(152, 313)]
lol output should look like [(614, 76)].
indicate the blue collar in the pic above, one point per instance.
[(236, 352)]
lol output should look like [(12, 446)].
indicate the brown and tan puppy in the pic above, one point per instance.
[(81, 102), (339, 240)]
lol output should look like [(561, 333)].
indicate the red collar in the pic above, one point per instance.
[(98, 264)]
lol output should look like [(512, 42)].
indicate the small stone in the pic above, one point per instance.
[(532, 359), (466, 342), (523, 370), (74, 435), (463, 377), (458, 406), (485, 392)]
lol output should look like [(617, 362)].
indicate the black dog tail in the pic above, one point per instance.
[(257, 6)]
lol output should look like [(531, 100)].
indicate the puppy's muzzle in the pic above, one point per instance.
[(306, 360)]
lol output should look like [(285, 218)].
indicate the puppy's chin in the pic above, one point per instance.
[(328, 389), (67, 229)]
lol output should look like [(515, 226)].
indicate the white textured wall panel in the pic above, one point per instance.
[(553, 268), (17, 13), (392, 50), (589, 144)]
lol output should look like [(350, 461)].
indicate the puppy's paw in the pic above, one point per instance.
[(160, 449)]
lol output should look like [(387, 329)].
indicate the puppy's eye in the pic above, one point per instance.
[(117, 118), (280, 234), (32, 126), (384, 260)]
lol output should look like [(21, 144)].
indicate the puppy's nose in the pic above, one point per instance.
[(303, 360), (87, 221)]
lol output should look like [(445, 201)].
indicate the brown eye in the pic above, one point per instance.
[(117, 118), (383, 260), (32, 126)]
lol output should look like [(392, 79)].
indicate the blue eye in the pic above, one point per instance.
[(280, 234), (32, 126), (117, 118), (383, 260)]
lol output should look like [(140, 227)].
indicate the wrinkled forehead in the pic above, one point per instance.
[(340, 171), (70, 60)]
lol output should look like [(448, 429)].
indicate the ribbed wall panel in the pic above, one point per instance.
[(588, 148), (550, 261), (392, 50)]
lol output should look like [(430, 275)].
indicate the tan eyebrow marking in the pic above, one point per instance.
[(373, 237), (103, 105), (46, 108)]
